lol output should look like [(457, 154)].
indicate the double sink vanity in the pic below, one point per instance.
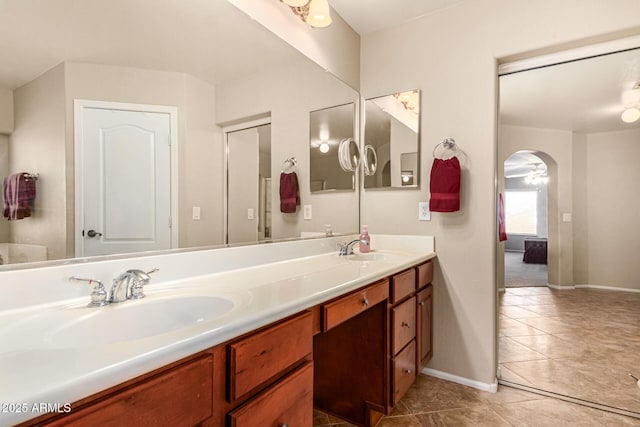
[(245, 336)]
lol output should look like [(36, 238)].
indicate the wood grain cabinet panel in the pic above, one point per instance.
[(287, 403), (403, 371), (402, 285), (264, 355), (403, 318), (181, 397), (425, 274), (353, 304), (425, 326)]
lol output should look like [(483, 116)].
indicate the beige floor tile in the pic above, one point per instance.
[(512, 351), (471, 417)]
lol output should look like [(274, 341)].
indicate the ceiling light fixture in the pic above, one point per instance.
[(631, 101), (314, 12), (537, 176)]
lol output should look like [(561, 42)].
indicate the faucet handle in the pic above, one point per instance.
[(98, 294), (140, 278)]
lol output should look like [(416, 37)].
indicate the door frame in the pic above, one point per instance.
[(261, 121), (78, 107)]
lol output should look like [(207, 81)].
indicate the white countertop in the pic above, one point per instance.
[(38, 364)]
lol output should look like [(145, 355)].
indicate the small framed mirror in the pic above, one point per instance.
[(392, 141), (333, 152)]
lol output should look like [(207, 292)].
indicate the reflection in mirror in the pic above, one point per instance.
[(370, 160), (392, 126), (214, 65), (249, 184), (331, 148), (568, 170)]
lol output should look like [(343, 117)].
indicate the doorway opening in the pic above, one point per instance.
[(526, 220)]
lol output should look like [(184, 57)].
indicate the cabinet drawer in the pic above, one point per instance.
[(288, 402), (353, 304), (404, 372), (180, 397), (402, 285), (265, 354), (425, 274), (404, 324)]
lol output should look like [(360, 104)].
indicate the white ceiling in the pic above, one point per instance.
[(367, 16), (209, 39), (580, 96)]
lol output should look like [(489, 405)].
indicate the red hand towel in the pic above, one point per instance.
[(18, 195), (289, 193), (502, 227), (445, 185)]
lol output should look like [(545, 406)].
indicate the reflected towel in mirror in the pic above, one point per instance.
[(445, 185), (289, 192), (19, 193)]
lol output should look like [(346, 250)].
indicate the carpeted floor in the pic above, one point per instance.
[(519, 274)]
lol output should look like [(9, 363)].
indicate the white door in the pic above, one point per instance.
[(126, 181), (242, 186)]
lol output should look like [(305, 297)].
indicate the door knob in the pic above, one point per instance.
[(93, 233)]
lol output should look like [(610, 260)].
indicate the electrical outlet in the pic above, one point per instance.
[(423, 211), (307, 212), (195, 213), (250, 213)]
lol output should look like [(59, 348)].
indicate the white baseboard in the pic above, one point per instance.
[(501, 289), (561, 288), (607, 288), (490, 387)]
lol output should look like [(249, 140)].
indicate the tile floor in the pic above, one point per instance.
[(582, 343), (434, 402)]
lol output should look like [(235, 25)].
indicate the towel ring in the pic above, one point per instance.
[(289, 165), (447, 144)]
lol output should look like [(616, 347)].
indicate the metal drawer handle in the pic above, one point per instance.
[(422, 303), (407, 371), (284, 425), (406, 325), (365, 302)]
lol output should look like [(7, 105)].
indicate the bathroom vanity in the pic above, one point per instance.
[(347, 335)]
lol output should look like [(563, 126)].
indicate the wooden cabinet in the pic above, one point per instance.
[(181, 396), (287, 403), (403, 320), (404, 371), (346, 307), (425, 326), (256, 359)]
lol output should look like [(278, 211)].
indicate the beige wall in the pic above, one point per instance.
[(199, 142), (451, 56), (4, 171), (37, 145), (289, 94), (612, 209), (6, 110)]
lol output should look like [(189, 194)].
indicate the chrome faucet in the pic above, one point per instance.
[(347, 248), (128, 285)]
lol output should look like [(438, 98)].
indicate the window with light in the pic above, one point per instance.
[(521, 212)]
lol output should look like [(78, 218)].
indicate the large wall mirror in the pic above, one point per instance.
[(568, 150), (331, 135), (392, 141), (158, 90)]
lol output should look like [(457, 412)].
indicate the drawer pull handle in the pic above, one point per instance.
[(284, 425), (407, 371), (365, 302), (422, 303), (406, 325)]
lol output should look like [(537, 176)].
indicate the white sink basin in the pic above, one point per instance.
[(130, 320)]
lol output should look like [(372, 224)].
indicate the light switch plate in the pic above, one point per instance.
[(250, 213), (307, 212), (423, 211), (195, 213), (566, 217)]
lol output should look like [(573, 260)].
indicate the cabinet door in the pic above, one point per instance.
[(425, 326), (180, 397), (286, 403)]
